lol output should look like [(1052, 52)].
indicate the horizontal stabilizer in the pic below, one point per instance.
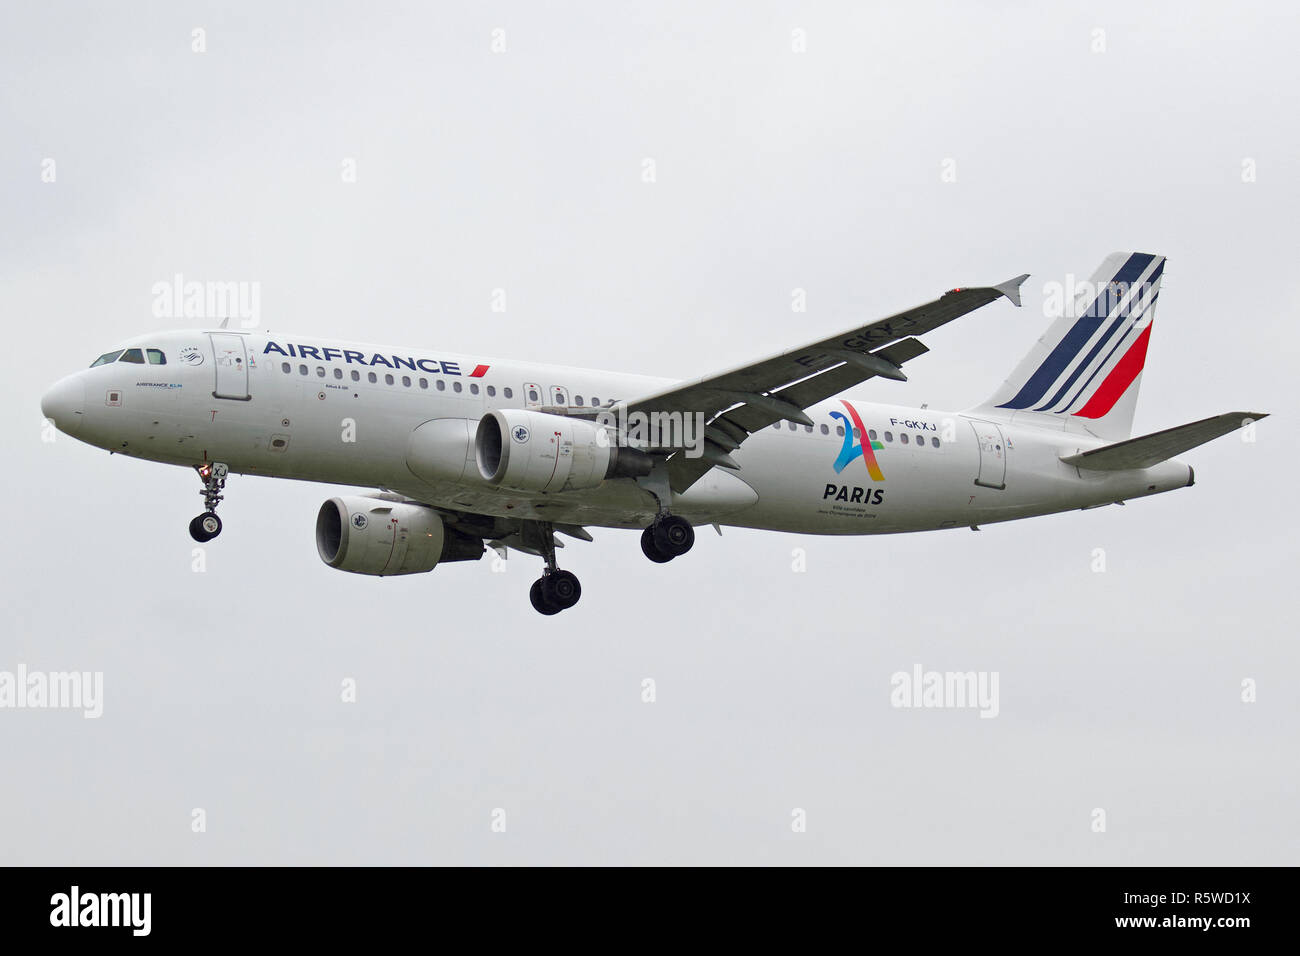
[(1152, 449)]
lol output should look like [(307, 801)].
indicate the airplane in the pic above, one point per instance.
[(469, 452)]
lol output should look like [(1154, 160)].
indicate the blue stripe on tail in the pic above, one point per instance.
[(1115, 325), (1078, 336)]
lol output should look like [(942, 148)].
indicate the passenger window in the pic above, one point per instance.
[(825, 430), (889, 436), (871, 433), (134, 356), (320, 371), (491, 390), (808, 429), (442, 386), (406, 381), (473, 388), (595, 402), (302, 370), (457, 387), (509, 392), (372, 378), (903, 438), (777, 426), (106, 358), (934, 442), (338, 373), (857, 433), (839, 430), (793, 426), (577, 400), (286, 368), (920, 439), (424, 383), (532, 394), (156, 356), (356, 376), (388, 380)]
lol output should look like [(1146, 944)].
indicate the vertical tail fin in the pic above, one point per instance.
[(1085, 373)]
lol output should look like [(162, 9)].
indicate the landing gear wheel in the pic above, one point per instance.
[(673, 536), (650, 549), (561, 589), (205, 527), (540, 604), (555, 590)]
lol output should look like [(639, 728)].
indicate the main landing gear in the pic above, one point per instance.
[(207, 526), (555, 590), (667, 537)]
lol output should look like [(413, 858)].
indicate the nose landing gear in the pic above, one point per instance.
[(207, 526)]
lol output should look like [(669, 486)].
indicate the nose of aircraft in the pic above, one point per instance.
[(65, 403)]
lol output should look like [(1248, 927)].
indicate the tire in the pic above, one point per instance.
[(561, 589), (197, 532), (651, 550), (540, 604), (210, 524), (673, 536)]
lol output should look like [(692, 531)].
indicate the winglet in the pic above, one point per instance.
[(1011, 288)]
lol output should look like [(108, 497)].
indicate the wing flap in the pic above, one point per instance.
[(740, 423), (818, 388)]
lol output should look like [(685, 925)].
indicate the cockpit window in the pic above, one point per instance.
[(106, 358), (135, 356), (156, 357)]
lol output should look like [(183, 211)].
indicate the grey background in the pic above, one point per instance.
[(522, 171)]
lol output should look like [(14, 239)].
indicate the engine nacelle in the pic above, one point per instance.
[(378, 536), (535, 451)]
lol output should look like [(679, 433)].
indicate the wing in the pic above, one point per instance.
[(743, 400)]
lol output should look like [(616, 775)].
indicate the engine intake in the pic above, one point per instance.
[(382, 537), (533, 451)]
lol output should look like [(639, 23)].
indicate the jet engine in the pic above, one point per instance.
[(535, 451), (383, 537)]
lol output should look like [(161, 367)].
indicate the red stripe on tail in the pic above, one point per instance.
[(1119, 379)]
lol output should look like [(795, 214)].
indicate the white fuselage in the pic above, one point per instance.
[(318, 416)]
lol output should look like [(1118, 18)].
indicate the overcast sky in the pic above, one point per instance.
[(1072, 132)]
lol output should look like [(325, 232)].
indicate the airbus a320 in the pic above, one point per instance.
[(459, 453)]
